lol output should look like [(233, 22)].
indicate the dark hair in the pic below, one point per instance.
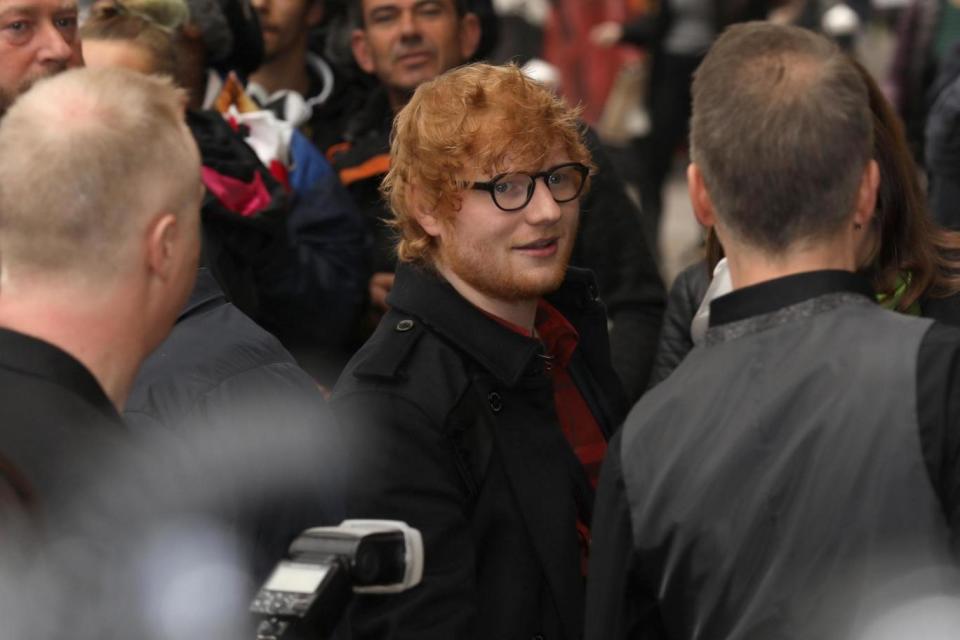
[(781, 132), (909, 240), (355, 11)]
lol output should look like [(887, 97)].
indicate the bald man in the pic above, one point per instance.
[(94, 264)]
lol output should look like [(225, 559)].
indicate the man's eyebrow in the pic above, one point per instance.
[(19, 9), (32, 9)]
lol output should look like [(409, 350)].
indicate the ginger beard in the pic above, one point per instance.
[(490, 260)]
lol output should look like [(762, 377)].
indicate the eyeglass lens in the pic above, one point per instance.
[(515, 190)]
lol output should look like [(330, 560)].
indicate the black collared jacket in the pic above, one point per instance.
[(801, 461), (55, 419), (452, 429)]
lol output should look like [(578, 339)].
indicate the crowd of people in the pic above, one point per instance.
[(249, 286)]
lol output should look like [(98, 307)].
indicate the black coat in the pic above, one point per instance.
[(453, 430), (241, 404), (685, 297)]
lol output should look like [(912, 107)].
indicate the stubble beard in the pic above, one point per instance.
[(496, 280)]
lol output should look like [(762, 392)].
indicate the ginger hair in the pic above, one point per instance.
[(469, 124)]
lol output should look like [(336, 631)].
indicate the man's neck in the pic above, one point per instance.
[(749, 267), (98, 340), (398, 98), (285, 71), (522, 313)]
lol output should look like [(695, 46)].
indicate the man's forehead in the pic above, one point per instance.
[(35, 6)]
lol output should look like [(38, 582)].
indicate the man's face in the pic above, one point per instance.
[(515, 255), (38, 38), (408, 42), (284, 24)]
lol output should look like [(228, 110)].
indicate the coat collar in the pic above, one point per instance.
[(206, 293), (40, 359), (421, 292)]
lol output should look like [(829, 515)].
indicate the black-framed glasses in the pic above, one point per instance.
[(513, 191)]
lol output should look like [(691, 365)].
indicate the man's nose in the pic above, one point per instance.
[(408, 24), (55, 45), (542, 208)]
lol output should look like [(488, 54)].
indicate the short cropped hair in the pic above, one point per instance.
[(97, 151), (355, 14), (782, 132), (474, 118)]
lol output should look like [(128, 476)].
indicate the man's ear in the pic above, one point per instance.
[(469, 35), (700, 197), (163, 233), (427, 220), (867, 195), (361, 51), (315, 13)]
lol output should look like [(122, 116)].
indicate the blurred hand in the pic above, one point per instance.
[(606, 34), (380, 285)]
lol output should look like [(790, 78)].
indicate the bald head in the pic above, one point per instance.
[(99, 153)]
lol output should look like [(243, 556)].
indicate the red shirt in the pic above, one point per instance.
[(581, 429), (579, 426)]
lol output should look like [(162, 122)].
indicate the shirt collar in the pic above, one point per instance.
[(772, 295), (35, 357), (558, 336)]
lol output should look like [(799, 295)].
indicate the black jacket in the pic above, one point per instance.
[(54, 418), (610, 240), (453, 429), (297, 264), (221, 379), (685, 297), (738, 502)]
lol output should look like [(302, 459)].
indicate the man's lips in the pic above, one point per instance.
[(540, 248), (414, 57)]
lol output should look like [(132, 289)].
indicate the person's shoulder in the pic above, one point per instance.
[(207, 351), (405, 359)]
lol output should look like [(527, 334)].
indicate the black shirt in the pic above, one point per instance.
[(53, 412), (613, 576)]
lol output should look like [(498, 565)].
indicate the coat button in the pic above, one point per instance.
[(496, 403), (539, 636), (404, 325)]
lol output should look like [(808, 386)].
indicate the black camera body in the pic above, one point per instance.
[(308, 592)]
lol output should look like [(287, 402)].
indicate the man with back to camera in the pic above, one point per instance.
[(479, 410), (406, 42), (93, 270), (807, 452)]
